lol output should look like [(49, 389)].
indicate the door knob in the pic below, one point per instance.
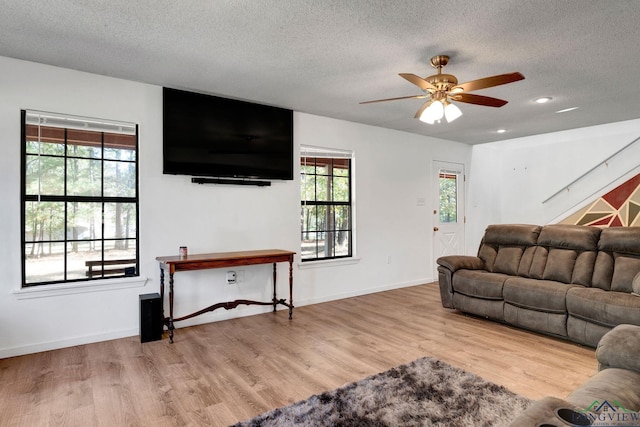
[(435, 228)]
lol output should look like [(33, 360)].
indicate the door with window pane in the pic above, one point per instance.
[(448, 212)]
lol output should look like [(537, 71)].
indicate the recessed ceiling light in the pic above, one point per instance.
[(542, 100), (567, 109), (501, 130)]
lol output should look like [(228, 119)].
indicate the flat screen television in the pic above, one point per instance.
[(210, 136)]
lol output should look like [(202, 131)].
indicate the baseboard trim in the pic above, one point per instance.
[(360, 292), (69, 342), (215, 316)]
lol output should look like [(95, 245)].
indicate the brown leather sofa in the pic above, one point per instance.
[(570, 281)]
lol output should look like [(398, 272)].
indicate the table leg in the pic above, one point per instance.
[(290, 287), (275, 301), (162, 293), (170, 326)]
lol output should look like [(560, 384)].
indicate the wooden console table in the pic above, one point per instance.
[(173, 264)]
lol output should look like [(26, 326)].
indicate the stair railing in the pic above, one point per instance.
[(604, 162)]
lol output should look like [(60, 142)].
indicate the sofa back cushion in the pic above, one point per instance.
[(618, 259), (565, 253), (504, 247)]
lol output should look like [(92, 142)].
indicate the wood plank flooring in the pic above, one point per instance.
[(219, 373)]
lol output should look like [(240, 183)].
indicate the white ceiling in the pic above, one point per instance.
[(325, 56)]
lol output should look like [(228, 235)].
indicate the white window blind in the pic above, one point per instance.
[(326, 153), (41, 118)]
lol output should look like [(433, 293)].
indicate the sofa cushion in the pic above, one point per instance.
[(583, 268), (576, 237), (615, 271), (607, 308), (539, 262), (624, 240), (624, 270), (508, 259), (512, 234), (503, 245), (560, 264), (603, 271), (565, 253), (534, 294), (479, 284)]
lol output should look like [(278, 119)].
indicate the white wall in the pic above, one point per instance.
[(393, 171), (511, 181)]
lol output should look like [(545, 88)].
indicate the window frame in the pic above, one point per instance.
[(310, 152), (68, 123)]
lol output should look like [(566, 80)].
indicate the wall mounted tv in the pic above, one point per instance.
[(209, 136)]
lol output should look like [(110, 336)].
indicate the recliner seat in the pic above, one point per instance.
[(570, 281)]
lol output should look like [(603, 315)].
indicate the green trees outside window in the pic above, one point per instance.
[(448, 197), (80, 199), (326, 211)]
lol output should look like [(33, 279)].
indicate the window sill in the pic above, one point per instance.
[(79, 287), (327, 263)]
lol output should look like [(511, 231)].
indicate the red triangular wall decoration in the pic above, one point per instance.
[(620, 194), (604, 221)]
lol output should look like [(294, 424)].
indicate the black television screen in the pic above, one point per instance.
[(206, 135)]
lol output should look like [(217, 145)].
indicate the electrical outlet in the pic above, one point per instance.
[(231, 277)]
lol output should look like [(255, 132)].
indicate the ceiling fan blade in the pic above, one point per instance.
[(470, 98), (395, 99), (418, 81), (421, 109), (487, 82)]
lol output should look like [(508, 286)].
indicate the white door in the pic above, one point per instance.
[(448, 211)]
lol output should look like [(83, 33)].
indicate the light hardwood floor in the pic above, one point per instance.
[(220, 373)]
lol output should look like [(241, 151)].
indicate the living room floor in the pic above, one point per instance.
[(220, 373)]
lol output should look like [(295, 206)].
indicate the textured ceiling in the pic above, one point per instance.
[(324, 57)]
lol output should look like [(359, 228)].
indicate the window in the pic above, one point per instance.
[(326, 204), (79, 198), (448, 196)]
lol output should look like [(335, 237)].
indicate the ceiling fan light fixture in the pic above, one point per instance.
[(441, 87), (451, 112), (433, 112)]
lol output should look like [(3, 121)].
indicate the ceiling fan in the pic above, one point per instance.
[(442, 88)]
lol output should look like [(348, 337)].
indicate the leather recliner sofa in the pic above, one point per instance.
[(611, 397), (569, 281)]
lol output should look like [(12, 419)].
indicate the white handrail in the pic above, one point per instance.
[(605, 161)]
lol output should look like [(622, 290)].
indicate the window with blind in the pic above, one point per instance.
[(326, 204), (79, 198)]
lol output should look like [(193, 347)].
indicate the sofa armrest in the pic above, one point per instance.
[(459, 262), (619, 348)]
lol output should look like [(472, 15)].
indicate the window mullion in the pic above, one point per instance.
[(66, 206)]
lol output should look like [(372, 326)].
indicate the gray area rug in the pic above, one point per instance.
[(425, 392)]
